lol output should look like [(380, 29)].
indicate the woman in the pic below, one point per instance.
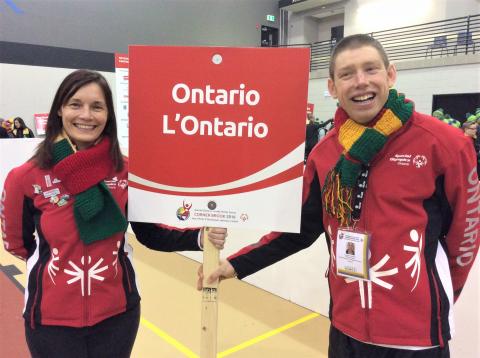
[(20, 130), (81, 298)]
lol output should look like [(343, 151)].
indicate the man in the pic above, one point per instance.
[(403, 186), (324, 128), (311, 135)]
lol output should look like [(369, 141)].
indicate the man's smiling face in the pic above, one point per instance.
[(361, 82)]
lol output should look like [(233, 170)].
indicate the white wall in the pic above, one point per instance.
[(363, 16), (421, 84), (306, 29), (25, 90), (466, 341), (311, 29), (325, 105), (459, 8), (302, 29), (325, 25)]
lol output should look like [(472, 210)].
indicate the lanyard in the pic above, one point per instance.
[(360, 189)]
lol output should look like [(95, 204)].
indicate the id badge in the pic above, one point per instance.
[(352, 253)]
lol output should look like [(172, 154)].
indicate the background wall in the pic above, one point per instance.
[(302, 29), (305, 29), (363, 16), (111, 25), (325, 25)]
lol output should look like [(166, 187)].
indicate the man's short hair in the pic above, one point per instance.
[(353, 42)]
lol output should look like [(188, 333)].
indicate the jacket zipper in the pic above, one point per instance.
[(126, 272), (35, 298), (439, 320)]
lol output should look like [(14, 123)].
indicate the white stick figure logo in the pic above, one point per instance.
[(415, 260), (51, 265), (374, 278), (91, 274)]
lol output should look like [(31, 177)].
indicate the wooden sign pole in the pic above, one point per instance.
[(209, 300)]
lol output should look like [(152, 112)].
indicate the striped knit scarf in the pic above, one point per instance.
[(97, 214), (360, 144)]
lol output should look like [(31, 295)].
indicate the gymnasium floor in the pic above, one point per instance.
[(252, 323)]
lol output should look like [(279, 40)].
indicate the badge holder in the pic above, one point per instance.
[(353, 244), (352, 253)]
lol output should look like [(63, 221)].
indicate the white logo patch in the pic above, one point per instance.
[(420, 161), (405, 160)]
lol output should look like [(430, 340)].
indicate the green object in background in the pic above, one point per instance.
[(477, 113), (438, 113)]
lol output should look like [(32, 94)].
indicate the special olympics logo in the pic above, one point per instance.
[(183, 212), (420, 161), (244, 217), (123, 184)]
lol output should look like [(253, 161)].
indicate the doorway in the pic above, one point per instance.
[(269, 36)]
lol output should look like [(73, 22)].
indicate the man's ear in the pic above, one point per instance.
[(331, 88), (392, 75)]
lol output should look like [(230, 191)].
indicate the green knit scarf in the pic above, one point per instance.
[(97, 214), (360, 144)]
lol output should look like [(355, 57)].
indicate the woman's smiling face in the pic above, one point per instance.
[(85, 115)]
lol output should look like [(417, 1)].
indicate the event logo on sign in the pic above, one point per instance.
[(183, 212)]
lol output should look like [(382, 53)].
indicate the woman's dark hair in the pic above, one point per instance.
[(70, 85), (21, 121)]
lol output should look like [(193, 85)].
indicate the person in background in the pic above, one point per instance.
[(3, 131), (446, 118), (401, 185), (452, 121), (470, 128), (7, 124), (477, 116), (81, 299), (20, 130), (324, 128), (311, 134), (438, 113)]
